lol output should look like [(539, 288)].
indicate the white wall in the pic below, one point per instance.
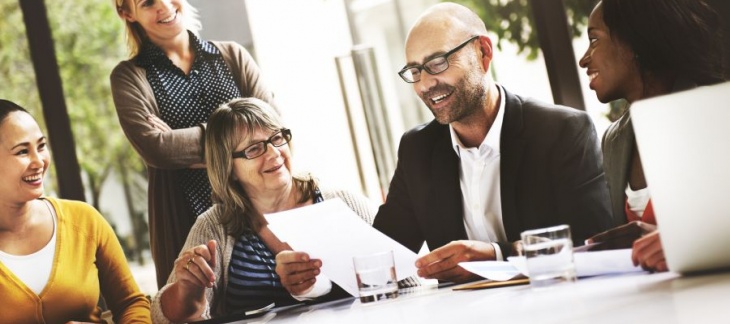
[(296, 43)]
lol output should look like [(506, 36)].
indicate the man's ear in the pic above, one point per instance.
[(485, 47)]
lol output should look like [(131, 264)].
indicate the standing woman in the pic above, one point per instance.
[(163, 96), (641, 49), (56, 256)]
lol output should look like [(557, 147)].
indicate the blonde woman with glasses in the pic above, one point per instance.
[(163, 96), (231, 260)]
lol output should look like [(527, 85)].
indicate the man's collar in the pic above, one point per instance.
[(493, 136)]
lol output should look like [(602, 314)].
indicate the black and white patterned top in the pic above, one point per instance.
[(188, 100), (252, 279)]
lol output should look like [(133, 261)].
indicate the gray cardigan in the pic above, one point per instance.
[(208, 227)]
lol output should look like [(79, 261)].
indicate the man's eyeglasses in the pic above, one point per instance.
[(436, 65), (282, 137)]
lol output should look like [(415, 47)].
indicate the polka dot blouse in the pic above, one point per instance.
[(188, 100)]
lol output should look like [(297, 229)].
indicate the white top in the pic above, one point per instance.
[(33, 269), (638, 200), (479, 178)]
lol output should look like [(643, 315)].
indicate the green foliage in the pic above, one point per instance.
[(512, 20), (17, 79), (88, 41), (16, 69)]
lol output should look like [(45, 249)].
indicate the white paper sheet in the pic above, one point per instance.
[(587, 264), (604, 262), (332, 232), (493, 270)]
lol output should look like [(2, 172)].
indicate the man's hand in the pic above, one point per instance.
[(443, 263), (621, 237), (648, 253), (297, 271)]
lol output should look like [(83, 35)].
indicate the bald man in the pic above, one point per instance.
[(491, 164)]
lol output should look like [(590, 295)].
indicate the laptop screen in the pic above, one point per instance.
[(684, 143)]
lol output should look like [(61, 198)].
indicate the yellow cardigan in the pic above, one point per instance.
[(88, 259)]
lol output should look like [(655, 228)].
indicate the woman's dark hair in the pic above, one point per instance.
[(671, 37), (6, 107)]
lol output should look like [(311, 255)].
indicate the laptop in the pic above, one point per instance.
[(684, 142)]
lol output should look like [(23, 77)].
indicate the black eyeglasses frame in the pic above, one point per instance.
[(285, 132), (424, 66)]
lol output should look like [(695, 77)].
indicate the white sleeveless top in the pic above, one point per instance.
[(34, 269)]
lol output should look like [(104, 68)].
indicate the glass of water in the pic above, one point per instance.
[(376, 278), (549, 256)]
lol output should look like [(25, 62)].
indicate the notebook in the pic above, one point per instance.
[(684, 142)]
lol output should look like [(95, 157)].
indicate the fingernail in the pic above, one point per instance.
[(316, 271), (305, 258), (318, 263), (418, 264)]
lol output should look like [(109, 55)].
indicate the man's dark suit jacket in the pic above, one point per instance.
[(551, 174)]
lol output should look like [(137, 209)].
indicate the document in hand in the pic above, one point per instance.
[(332, 232)]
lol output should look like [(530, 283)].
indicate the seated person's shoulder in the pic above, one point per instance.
[(344, 194), (211, 216), (73, 207), (552, 117), (424, 135), (551, 111), (82, 217)]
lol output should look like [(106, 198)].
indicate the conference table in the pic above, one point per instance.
[(638, 297)]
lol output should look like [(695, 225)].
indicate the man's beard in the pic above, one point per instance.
[(467, 98)]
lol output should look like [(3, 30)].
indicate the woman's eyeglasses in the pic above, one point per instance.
[(282, 137)]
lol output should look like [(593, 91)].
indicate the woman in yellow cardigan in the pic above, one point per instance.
[(56, 256)]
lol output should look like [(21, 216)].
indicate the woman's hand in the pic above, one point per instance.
[(297, 271), (648, 253), (194, 267)]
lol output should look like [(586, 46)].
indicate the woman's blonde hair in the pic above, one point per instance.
[(228, 126), (135, 34)]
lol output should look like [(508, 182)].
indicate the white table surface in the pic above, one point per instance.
[(630, 298)]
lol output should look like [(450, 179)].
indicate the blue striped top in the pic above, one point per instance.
[(252, 278)]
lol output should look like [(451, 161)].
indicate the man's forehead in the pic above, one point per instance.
[(425, 42)]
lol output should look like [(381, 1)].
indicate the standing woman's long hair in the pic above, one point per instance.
[(227, 127), (678, 39)]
